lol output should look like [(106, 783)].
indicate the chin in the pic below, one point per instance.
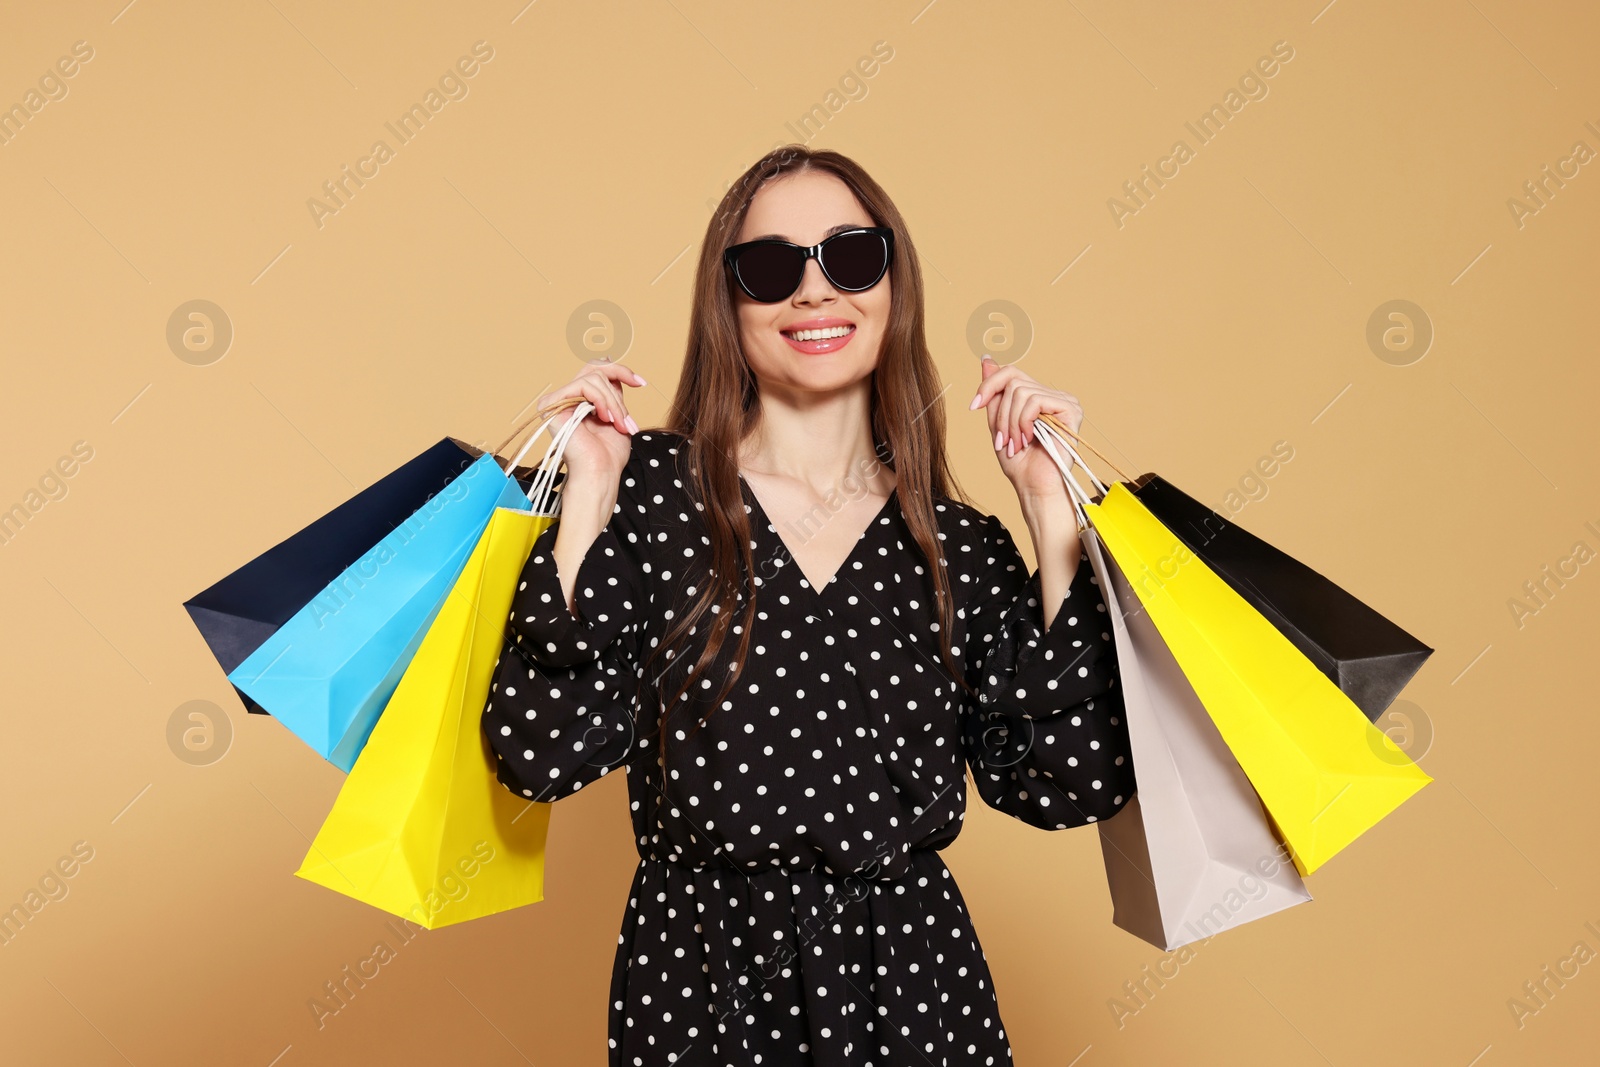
[(827, 372)]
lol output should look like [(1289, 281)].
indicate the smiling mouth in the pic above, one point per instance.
[(827, 333)]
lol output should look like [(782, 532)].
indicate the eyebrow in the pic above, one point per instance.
[(841, 228)]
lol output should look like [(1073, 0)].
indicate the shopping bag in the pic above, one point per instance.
[(1367, 656), (421, 827), (1192, 852), (1323, 771), (329, 670), (240, 612)]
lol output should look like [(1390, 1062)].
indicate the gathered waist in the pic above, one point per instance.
[(886, 866)]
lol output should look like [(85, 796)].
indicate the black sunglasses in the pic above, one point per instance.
[(853, 261)]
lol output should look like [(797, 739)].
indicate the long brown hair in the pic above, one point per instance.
[(716, 407)]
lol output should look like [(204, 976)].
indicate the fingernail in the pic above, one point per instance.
[(639, 378), (633, 427), (975, 402), (1010, 448), (999, 440)]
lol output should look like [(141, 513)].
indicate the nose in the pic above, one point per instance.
[(814, 288)]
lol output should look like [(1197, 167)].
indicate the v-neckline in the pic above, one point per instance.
[(766, 520)]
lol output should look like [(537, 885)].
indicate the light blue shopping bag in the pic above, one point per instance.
[(327, 673)]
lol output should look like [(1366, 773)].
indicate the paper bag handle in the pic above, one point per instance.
[(541, 493), (550, 414), (1046, 438), (1064, 433)]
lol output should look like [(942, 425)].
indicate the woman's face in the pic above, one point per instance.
[(804, 208)]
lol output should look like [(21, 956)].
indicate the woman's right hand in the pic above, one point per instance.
[(598, 449), (596, 453)]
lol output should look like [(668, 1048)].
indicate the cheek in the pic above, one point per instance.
[(873, 309), (877, 303), (755, 328)]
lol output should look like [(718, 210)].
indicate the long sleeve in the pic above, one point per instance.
[(1047, 741), (563, 704)]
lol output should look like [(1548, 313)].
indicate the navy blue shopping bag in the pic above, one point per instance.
[(238, 614)]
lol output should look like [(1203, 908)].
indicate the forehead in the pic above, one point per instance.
[(802, 208)]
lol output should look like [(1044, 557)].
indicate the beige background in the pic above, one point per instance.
[(1229, 313)]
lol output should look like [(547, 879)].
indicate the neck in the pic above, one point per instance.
[(822, 441)]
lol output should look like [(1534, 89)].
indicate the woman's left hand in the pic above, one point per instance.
[(1013, 400)]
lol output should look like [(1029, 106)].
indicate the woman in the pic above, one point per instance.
[(740, 611)]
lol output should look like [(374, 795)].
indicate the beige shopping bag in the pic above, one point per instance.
[(1193, 853)]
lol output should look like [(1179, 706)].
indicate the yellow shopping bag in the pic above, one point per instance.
[(1323, 771), (422, 828)]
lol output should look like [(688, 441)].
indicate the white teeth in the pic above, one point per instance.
[(820, 335)]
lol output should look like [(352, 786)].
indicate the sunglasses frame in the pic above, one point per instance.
[(732, 254)]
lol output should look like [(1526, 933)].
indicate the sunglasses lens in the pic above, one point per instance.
[(770, 272), (855, 261)]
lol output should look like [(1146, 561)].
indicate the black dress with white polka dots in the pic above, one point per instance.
[(790, 907)]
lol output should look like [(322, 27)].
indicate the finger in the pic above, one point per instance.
[(617, 408), (1036, 404), (996, 411), (620, 417), (1002, 423), (992, 417), (1029, 410), (988, 366), (574, 388), (594, 389), (1021, 396), (1058, 401), (617, 372), (614, 410), (1052, 402), (993, 383), (1074, 417), (600, 373), (1067, 408), (1008, 426), (583, 389), (597, 391), (1020, 375)]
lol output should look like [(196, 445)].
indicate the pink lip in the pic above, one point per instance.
[(816, 348)]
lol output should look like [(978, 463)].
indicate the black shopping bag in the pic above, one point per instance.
[(1367, 656)]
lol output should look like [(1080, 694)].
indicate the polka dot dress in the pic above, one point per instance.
[(790, 907)]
